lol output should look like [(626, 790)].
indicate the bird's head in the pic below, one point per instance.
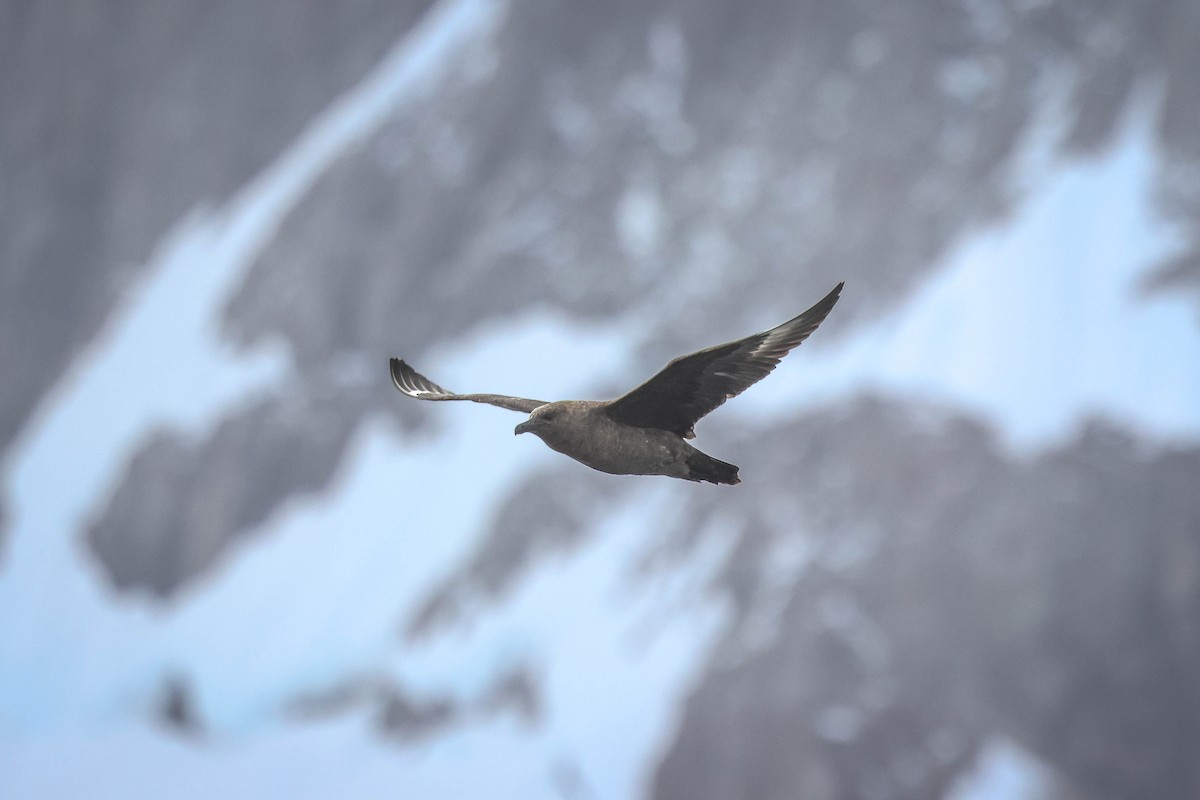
[(542, 418)]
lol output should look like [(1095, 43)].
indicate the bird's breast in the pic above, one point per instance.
[(620, 449)]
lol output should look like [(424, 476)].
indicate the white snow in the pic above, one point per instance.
[(1003, 771)]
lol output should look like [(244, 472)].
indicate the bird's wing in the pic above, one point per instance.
[(414, 384), (693, 385)]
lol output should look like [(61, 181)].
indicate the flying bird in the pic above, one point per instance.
[(643, 432)]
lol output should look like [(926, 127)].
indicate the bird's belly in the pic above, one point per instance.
[(632, 451)]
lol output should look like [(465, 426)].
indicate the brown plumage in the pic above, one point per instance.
[(643, 431)]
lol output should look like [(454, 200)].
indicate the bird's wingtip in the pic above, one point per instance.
[(396, 367), (831, 299)]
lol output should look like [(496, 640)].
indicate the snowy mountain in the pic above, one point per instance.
[(965, 559)]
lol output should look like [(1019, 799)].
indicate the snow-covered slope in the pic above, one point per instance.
[(365, 638)]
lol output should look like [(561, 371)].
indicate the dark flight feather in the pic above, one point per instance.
[(693, 385), (414, 384)]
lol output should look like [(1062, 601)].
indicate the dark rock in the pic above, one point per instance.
[(176, 708), (181, 503)]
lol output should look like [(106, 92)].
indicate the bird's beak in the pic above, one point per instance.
[(524, 427)]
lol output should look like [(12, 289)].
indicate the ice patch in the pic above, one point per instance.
[(1003, 771)]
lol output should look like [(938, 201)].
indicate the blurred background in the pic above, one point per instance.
[(964, 561)]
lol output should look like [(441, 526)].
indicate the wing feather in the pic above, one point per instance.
[(414, 384), (693, 385)]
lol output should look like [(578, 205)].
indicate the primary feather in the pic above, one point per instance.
[(691, 386), (414, 384)]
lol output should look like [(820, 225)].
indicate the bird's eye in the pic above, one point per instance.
[(549, 415)]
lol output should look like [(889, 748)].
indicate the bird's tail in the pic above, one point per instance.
[(703, 467)]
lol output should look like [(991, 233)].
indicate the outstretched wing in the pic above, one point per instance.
[(414, 384), (693, 385)]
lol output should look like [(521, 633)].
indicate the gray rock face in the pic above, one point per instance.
[(1046, 600), (171, 516), (551, 513), (950, 592)]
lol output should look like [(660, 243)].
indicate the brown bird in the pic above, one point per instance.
[(643, 431)]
